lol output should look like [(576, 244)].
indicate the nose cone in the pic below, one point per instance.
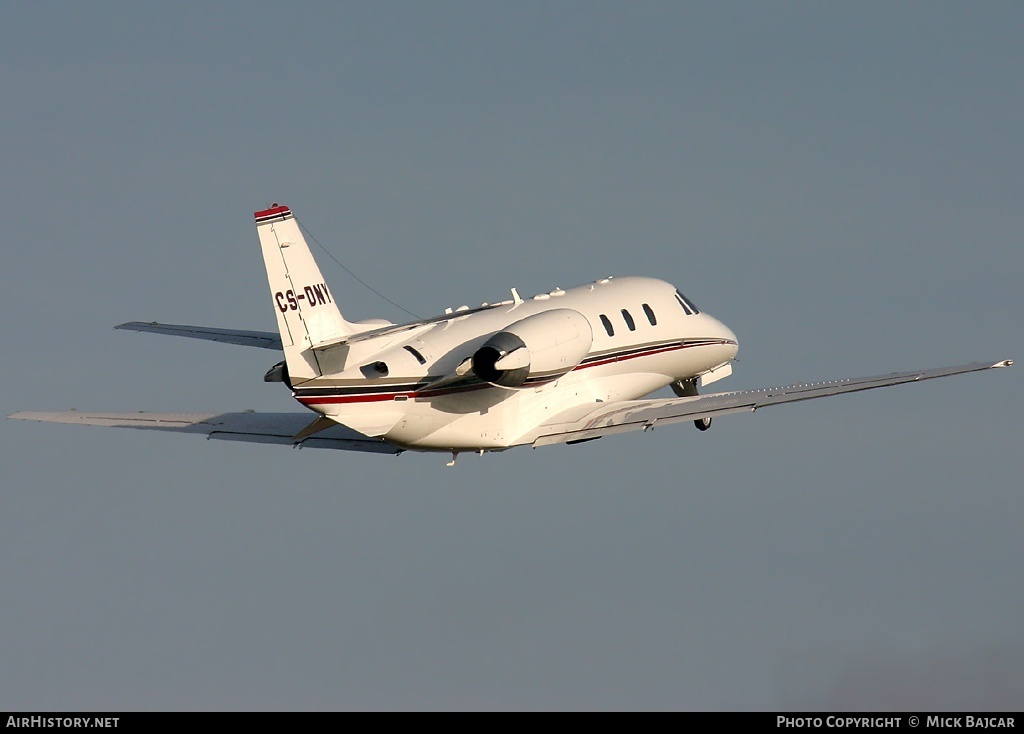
[(723, 332)]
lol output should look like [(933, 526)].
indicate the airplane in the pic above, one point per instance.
[(563, 367)]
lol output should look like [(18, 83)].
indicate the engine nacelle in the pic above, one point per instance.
[(546, 345)]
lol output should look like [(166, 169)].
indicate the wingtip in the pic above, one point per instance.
[(134, 325), (43, 417), (1004, 363)]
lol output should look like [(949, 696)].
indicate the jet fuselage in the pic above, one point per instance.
[(642, 335)]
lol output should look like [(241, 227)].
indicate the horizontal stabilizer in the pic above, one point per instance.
[(275, 428), (261, 339)]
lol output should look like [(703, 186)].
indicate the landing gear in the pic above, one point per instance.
[(688, 389), (684, 388)]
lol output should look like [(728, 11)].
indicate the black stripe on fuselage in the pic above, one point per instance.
[(421, 388)]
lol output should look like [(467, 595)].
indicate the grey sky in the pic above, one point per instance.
[(840, 184)]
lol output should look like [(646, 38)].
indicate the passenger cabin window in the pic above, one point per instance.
[(650, 315), (629, 320), (607, 325), (687, 304), (416, 354)]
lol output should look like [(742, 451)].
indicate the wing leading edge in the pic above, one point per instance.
[(273, 428), (631, 415)]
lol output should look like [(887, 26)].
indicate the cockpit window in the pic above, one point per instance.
[(650, 314), (607, 325), (687, 304)]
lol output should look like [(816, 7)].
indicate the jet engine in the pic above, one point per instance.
[(546, 345)]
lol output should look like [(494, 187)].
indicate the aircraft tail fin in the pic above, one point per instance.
[(307, 315)]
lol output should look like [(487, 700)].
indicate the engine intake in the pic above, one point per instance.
[(486, 358)]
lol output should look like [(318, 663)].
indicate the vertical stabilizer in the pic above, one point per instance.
[(307, 315)]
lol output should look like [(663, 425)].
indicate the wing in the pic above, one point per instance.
[(276, 428), (589, 423), (262, 339)]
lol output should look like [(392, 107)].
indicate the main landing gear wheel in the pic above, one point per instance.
[(702, 424)]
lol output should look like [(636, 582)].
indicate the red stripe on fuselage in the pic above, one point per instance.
[(427, 393), (335, 399), (650, 353)]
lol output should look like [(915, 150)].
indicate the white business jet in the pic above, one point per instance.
[(567, 366)]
